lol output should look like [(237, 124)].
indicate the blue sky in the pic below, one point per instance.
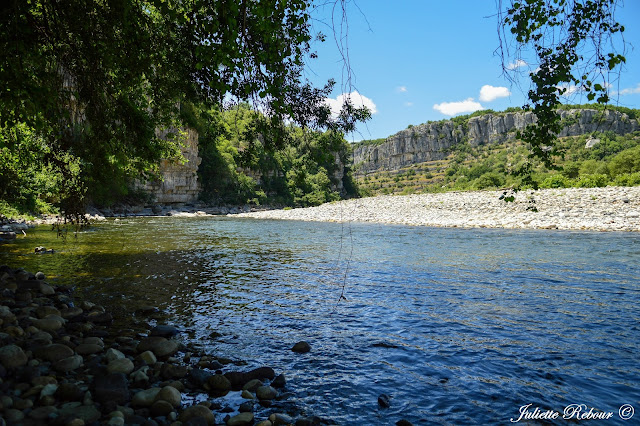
[(418, 60)]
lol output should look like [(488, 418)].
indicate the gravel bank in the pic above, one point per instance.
[(597, 209)]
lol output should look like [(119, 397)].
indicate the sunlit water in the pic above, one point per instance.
[(457, 326)]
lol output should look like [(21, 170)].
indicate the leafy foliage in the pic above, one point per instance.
[(572, 43), (239, 166), (99, 82)]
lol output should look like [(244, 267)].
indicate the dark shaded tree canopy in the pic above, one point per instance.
[(96, 79)]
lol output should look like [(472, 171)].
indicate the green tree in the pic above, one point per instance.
[(97, 79), (572, 43)]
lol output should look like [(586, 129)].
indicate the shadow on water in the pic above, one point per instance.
[(458, 326)]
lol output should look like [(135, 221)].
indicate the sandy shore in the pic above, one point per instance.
[(598, 209)]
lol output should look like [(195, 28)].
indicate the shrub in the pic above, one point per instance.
[(627, 161), (571, 170), (627, 179), (592, 181), (555, 181), (489, 180)]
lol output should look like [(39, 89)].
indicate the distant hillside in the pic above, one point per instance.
[(433, 140), (479, 151)]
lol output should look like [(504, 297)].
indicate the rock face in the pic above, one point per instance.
[(179, 182), (432, 141)]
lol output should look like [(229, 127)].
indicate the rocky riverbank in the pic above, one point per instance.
[(68, 364), (596, 209)]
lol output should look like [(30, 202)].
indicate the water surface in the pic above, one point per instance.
[(457, 326)]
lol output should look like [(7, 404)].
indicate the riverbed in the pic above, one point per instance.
[(457, 326), (593, 209)]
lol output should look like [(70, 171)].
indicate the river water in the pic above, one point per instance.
[(457, 326)]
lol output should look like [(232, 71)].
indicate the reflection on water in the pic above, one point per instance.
[(458, 326)]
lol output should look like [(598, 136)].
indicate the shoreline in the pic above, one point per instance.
[(69, 363), (584, 209), (579, 209)]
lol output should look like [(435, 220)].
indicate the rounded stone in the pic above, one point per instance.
[(170, 395), (43, 413), (242, 419), (219, 382), (122, 365), (93, 341), (164, 331), (280, 419), (161, 408), (384, 401), (160, 346), (12, 415), (68, 364), (197, 411), (116, 421), (71, 312), (41, 338), (145, 398), (148, 357), (113, 354), (48, 324), (88, 349), (54, 352), (252, 385), (266, 393), (46, 289), (12, 356), (279, 382), (48, 390), (69, 392), (43, 311), (301, 347)]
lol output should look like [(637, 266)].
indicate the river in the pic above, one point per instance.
[(457, 326)]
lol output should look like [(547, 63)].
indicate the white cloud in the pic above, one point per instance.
[(491, 93), (409, 104), (519, 63), (571, 89), (402, 89), (453, 108), (356, 99), (630, 90)]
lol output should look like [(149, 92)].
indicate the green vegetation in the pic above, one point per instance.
[(89, 87), (559, 33), (239, 166), (615, 160)]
